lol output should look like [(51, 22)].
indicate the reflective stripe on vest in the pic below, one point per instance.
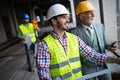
[(61, 65), (29, 31)]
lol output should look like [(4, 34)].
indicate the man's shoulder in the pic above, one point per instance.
[(71, 29), (20, 25), (97, 24), (30, 24), (44, 35), (75, 29)]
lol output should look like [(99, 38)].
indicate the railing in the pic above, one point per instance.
[(88, 76)]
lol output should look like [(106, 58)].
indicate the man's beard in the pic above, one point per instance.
[(59, 25), (89, 21)]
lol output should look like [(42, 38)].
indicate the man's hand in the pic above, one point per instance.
[(112, 47), (21, 39), (113, 60)]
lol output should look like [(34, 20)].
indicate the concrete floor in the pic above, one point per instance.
[(13, 65)]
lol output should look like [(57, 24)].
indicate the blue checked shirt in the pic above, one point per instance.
[(43, 56)]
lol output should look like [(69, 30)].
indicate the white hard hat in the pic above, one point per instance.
[(56, 10)]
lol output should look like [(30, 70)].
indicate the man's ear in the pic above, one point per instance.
[(53, 21), (82, 16)]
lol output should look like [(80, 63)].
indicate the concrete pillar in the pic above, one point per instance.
[(109, 12)]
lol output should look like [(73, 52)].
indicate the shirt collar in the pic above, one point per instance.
[(56, 36), (85, 27)]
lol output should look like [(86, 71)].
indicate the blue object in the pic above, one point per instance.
[(25, 16)]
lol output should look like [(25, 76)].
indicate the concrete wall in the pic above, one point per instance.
[(2, 29), (2, 33), (109, 7), (7, 26)]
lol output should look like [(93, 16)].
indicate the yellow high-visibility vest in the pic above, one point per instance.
[(28, 30), (65, 65)]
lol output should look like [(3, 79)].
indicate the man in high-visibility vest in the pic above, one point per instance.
[(27, 35), (58, 56)]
